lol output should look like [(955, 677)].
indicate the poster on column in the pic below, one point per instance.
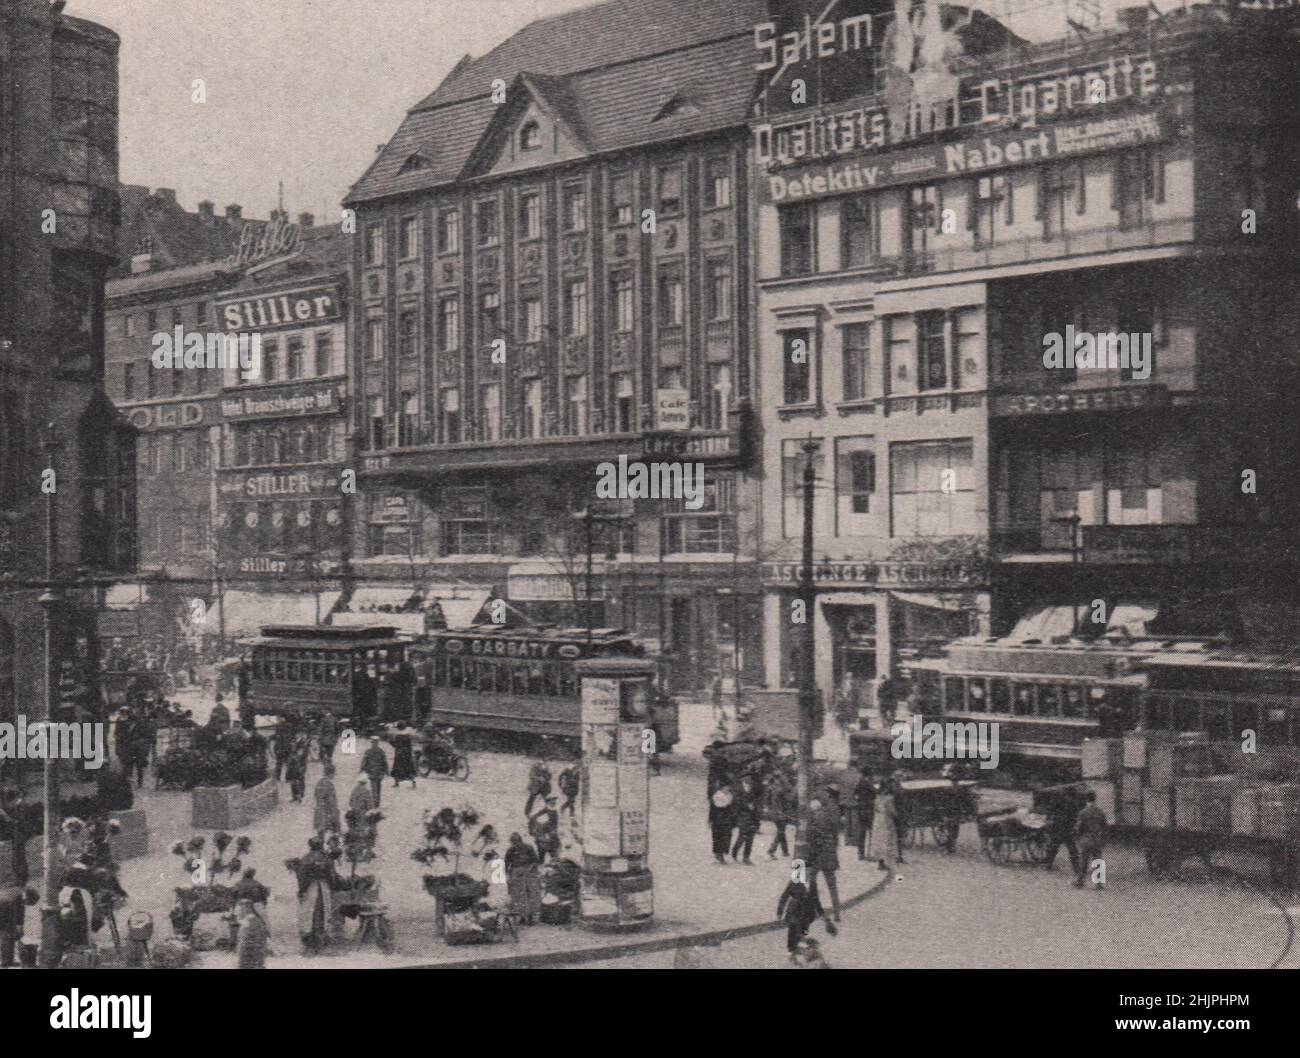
[(602, 785), (630, 743), (601, 832), (600, 701), (636, 833), (600, 741), (633, 785)]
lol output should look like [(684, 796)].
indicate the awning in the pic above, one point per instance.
[(1132, 616), (125, 596), (539, 581), (1048, 621), (246, 612), (461, 610), (933, 602), (847, 598), (396, 596)]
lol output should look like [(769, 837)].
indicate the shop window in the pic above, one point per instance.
[(999, 696), (709, 530)]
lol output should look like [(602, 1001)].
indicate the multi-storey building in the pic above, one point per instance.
[(66, 458), (552, 266), (928, 241)]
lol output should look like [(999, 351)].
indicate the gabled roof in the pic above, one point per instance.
[(604, 34), (553, 95), (607, 71)]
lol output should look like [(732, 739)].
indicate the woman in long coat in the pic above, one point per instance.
[(325, 817), (403, 768), (884, 827), (523, 880), (316, 883)]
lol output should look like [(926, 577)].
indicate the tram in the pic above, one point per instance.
[(490, 679), (302, 670)]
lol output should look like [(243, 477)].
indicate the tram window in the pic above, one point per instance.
[(1126, 700), (292, 666), (568, 681), (977, 695), (535, 677), (1273, 731), (1049, 700), (954, 696), (1023, 697), (440, 672), (1245, 717), (550, 680), (999, 696), (1187, 715), (1218, 721), (455, 677), (473, 668), (1158, 713), (1072, 702), (277, 667), (317, 671), (503, 679), (520, 676)]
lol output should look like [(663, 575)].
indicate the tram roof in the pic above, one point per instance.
[(325, 637), (1275, 661)]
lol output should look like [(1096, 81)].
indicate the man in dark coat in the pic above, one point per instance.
[(1061, 814), (539, 785), (403, 755), (799, 907), (375, 765), (282, 748), (122, 739), (823, 845), (327, 734), (14, 902), (141, 747), (1090, 831), (745, 813), (864, 796), (545, 830), (296, 768), (722, 820), (570, 782), (782, 806)]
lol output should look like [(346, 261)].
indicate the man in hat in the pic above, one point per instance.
[(1090, 832), (325, 817), (296, 770), (544, 826), (14, 902), (219, 718), (539, 785), (823, 842), (375, 766)]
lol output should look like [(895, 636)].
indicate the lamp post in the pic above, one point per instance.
[(807, 675), (50, 953), (1076, 558)]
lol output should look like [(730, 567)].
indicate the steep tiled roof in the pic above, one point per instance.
[(176, 237), (602, 35), (606, 70)]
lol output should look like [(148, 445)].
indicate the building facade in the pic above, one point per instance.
[(927, 244), (66, 458), (552, 271)]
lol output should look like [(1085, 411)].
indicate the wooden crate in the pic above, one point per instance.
[(1157, 808), (1245, 810), (1204, 804), (1101, 757), (1279, 812), (1170, 761), (1135, 750), (1130, 813), (1130, 786)]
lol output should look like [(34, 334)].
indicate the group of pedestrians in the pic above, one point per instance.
[(544, 822), (1081, 827)]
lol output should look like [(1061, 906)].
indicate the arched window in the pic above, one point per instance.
[(530, 136)]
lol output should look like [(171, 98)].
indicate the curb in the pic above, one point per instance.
[(618, 951)]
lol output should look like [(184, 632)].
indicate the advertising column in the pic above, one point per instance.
[(617, 887)]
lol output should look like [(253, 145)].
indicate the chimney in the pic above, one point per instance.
[(279, 214), (234, 212), (205, 209), (306, 220), (166, 194), (1133, 18)]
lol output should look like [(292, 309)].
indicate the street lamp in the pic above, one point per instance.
[(1076, 557), (807, 676), (50, 948)]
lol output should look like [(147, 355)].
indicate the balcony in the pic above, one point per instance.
[(1164, 545), (1068, 244)]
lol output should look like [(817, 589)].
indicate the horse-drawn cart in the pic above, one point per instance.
[(939, 806), (1009, 833)]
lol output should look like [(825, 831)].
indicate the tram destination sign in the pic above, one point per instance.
[(503, 647)]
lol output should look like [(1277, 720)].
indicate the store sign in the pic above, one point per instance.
[(289, 565), (308, 483), (300, 308), (262, 240), (883, 574), (673, 409), (167, 416), (981, 154), (393, 508), (1081, 400), (298, 400)]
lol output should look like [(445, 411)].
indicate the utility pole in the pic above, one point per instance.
[(807, 674), (50, 953)]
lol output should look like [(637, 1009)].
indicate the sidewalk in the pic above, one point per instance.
[(694, 896)]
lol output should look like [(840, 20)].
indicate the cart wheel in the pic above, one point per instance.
[(460, 770), (1036, 848), (942, 834)]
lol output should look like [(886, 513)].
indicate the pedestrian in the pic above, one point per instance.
[(327, 734), (317, 881), (360, 805), (219, 718), (325, 817), (523, 880), (885, 846), (14, 902), (1061, 814), (782, 806), (539, 785), (570, 782), (252, 936), (141, 746), (799, 907), (888, 693), (296, 768), (864, 796), (745, 812), (823, 844), (403, 756), (375, 766), (282, 748), (1090, 832), (721, 821), (952, 810), (13, 811), (122, 739), (544, 827)]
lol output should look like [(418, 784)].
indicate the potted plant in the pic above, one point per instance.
[(444, 834)]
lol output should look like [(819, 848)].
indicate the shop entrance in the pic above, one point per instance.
[(853, 639)]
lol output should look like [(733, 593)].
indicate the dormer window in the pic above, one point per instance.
[(415, 162), (676, 106), (530, 136)]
